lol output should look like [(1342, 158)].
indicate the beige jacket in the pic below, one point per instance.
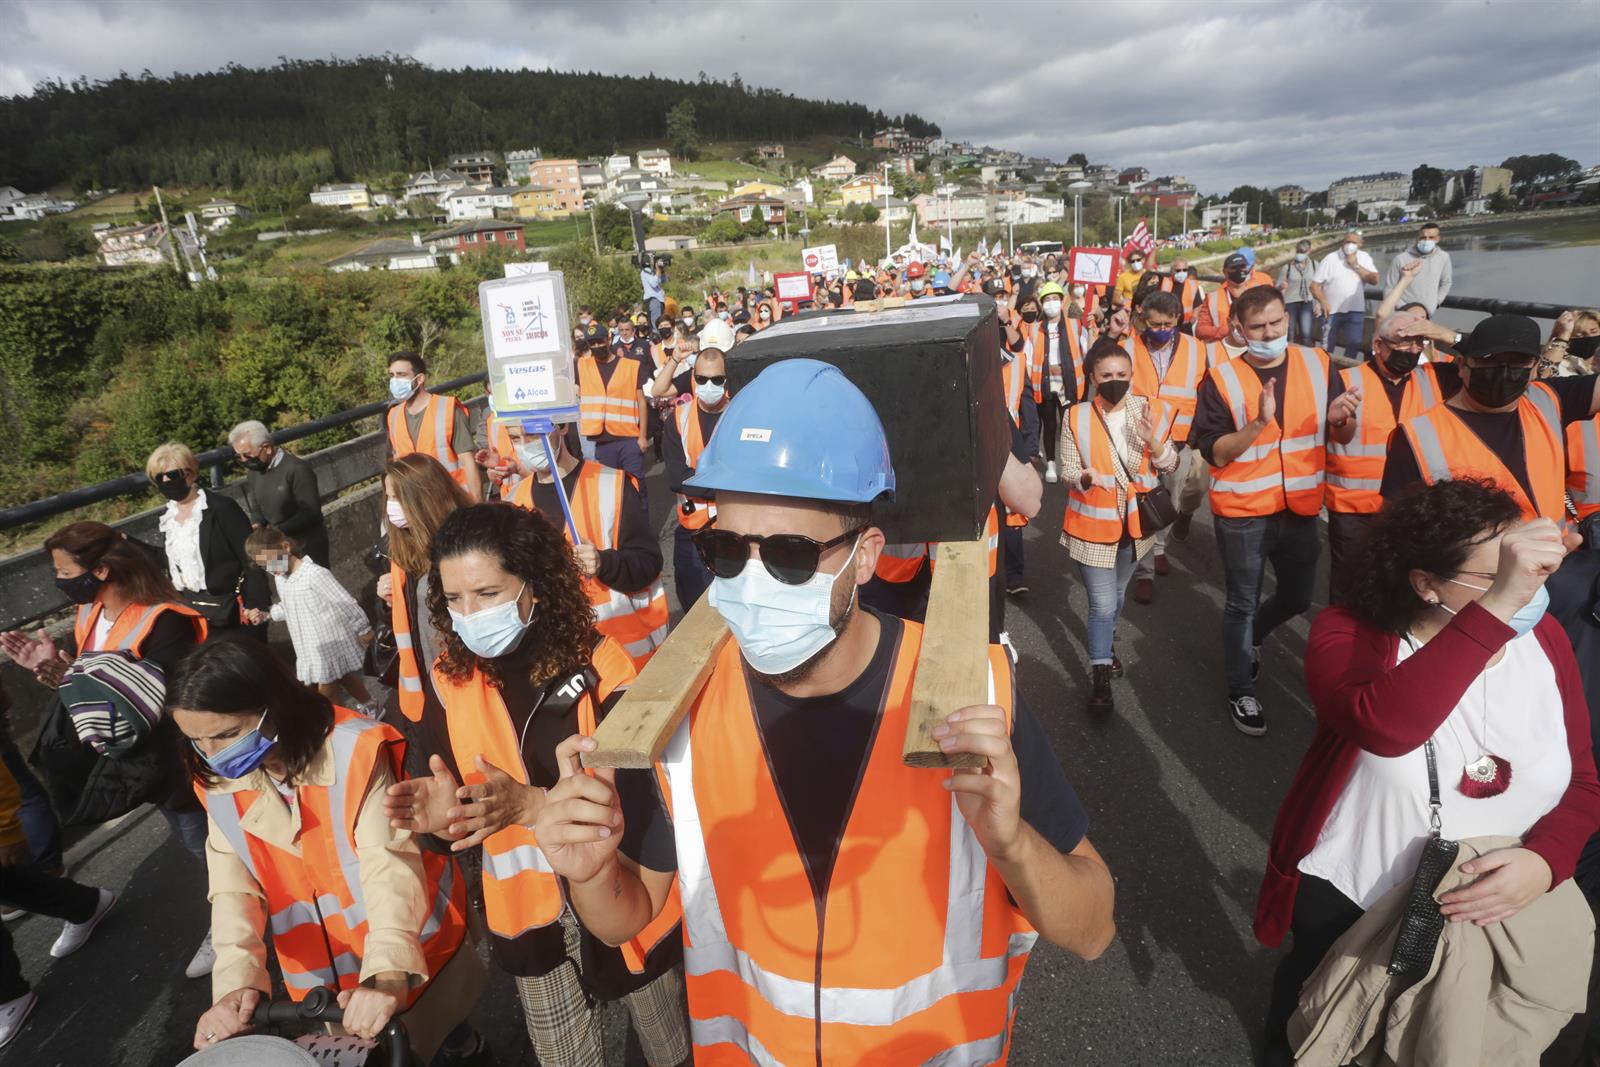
[(1496, 994)]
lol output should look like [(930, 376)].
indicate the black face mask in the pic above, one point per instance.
[(253, 463), (1498, 384), (82, 589), (172, 485), (1030, 316), (1402, 363), (1584, 347), (1238, 277), (1113, 391)]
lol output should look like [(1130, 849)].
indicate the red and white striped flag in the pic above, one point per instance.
[(1140, 238)]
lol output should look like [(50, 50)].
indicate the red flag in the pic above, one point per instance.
[(1140, 238)]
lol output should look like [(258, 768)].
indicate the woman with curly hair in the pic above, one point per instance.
[(520, 668), (1443, 652)]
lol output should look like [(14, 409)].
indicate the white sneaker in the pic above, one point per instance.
[(13, 1013), (73, 935), (205, 958), (12, 914), (1050, 472)]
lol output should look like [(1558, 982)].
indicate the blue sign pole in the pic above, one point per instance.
[(544, 428)]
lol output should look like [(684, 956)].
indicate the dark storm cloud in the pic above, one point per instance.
[(1223, 93)]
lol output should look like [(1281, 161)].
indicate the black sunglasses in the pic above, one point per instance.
[(711, 379), (790, 558)]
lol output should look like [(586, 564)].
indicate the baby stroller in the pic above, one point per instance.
[(310, 1050)]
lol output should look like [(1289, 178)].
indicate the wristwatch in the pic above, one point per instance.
[(1456, 342)]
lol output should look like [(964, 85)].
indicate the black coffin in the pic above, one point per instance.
[(932, 369)]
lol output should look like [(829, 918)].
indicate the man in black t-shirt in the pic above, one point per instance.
[(685, 431), (797, 836)]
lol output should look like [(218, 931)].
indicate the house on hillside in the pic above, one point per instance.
[(346, 196), (475, 202), (963, 207), (803, 187), (475, 166), (389, 253), (517, 163), (656, 161), (591, 175), (1132, 175), (770, 151), (865, 189), (1290, 195), (432, 184), (743, 208), (757, 188), (562, 175), (534, 202), (894, 209), (17, 206), (889, 138), (906, 165), (1028, 209), (671, 243), (476, 236), (615, 165), (220, 214), (133, 246), (837, 169)]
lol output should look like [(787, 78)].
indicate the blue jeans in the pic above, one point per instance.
[(1302, 317), (624, 455), (689, 574), (189, 826), (1344, 328), (1106, 586), (1292, 544), (39, 823)]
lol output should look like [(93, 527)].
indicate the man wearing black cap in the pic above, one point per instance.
[(1497, 423), (613, 421), (1212, 322)]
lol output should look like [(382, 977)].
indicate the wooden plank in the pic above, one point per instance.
[(643, 721), (953, 666)]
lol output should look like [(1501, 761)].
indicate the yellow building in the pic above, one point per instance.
[(757, 189), (863, 190), (536, 202)]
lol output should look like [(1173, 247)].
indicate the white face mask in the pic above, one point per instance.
[(1424, 247), (1350, 248), (392, 511), (778, 626), (917, 285), (1136, 264), (1028, 272), (1180, 275), (400, 388), (710, 393), (1078, 291), (491, 632), (1052, 308), (532, 456)]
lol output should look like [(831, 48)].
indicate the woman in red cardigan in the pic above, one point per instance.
[(1445, 638)]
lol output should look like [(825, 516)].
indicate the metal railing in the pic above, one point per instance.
[(1487, 305), (216, 461)]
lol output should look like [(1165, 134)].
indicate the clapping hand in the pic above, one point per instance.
[(37, 654), (1344, 408), (1268, 407)]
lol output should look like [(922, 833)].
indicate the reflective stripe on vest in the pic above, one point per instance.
[(128, 632), (1180, 386), (1284, 468), (1583, 466), (608, 406), (317, 912), (925, 947), (1355, 470), (438, 422), (901, 562), (1094, 514), (700, 511), (1446, 448), (408, 669)]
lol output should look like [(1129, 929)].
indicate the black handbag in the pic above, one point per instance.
[(381, 660), (1156, 509), (1422, 922), (219, 609)]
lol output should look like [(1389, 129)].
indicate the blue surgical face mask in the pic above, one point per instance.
[(242, 756), (492, 632), (400, 388), (778, 626), (1527, 616), (1424, 247), (1268, 349)]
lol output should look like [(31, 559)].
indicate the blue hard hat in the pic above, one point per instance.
[(800, 429), (941, 279), (1249, 254)]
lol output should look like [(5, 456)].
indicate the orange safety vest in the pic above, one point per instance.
[(638, 621), (1355, 470), (316, 907), (1283, 468), (129, 631), (903, 562), (608, 406), (520, 889), (1187, 296), (1447, 448), (1092, 514), (494, 431), (1036, 350), (693, 512), (1179, 388), (436, 431), (409, 670), (917, 950), (1220, 302), (1583, 466)]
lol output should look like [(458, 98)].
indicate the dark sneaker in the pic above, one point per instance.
[(1116, 666), (1144, 590), (1247, 716), (1016, 588)]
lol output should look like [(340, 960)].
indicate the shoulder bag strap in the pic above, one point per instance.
[(1434, 825), (1116, 457)]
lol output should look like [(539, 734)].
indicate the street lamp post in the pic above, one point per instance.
[(888, 252), (1076, 189)]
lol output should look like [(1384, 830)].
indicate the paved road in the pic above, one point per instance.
[(1180, 804)]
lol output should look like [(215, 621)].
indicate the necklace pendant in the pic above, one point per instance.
[(1487, 776)]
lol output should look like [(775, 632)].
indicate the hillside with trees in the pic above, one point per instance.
[(308, 121)]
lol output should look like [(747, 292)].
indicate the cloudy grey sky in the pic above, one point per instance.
[(1222, 92)]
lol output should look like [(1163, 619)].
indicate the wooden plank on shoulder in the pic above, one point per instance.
[(953, 665), (643, 721)]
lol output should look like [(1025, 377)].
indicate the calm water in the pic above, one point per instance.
[(1551, 261)]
